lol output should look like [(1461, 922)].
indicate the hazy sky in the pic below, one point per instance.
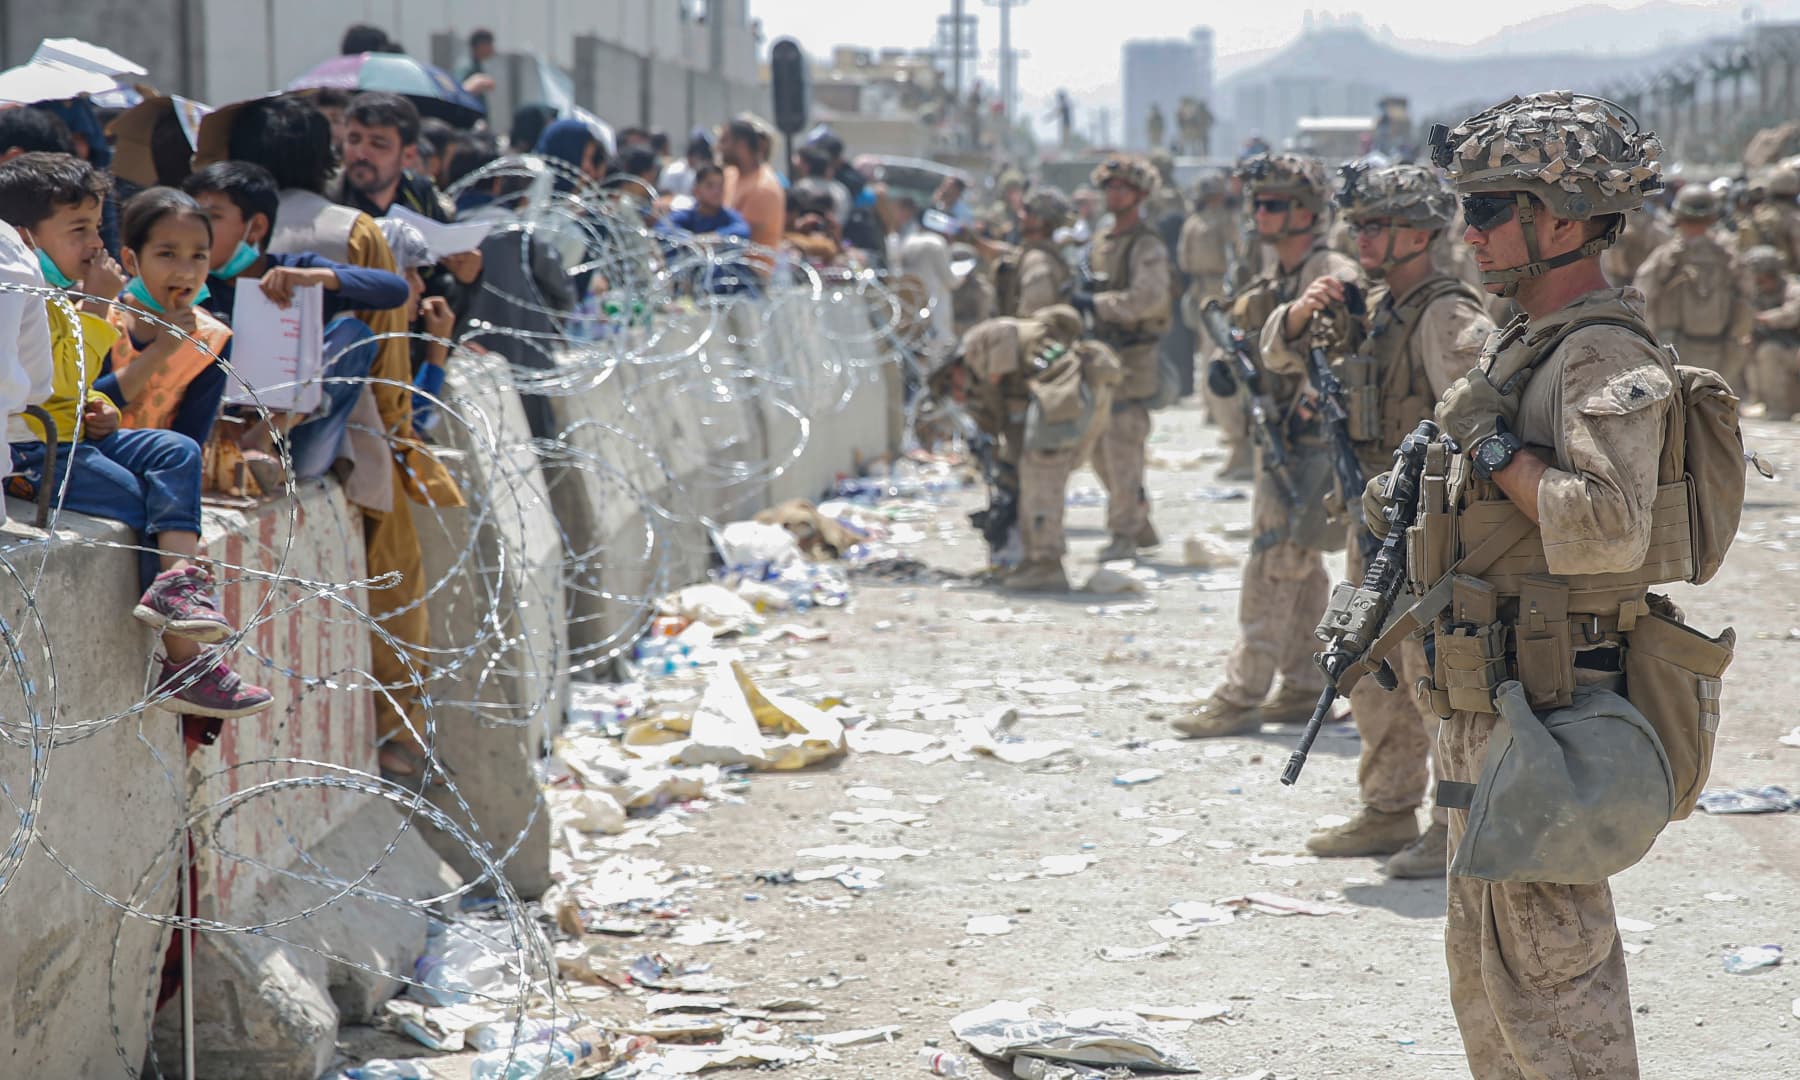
[(1075, 44)]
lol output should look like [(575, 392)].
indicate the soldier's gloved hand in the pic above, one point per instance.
[(1375, 504), (1220, 379), (1081, 298), (1473, 408)]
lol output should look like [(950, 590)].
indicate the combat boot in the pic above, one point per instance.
[(1038, 575), (1119, 547), (1147, 538), (1236, 469), (1290, 705), (1370, 832), (1425, 857), (1215, 717)]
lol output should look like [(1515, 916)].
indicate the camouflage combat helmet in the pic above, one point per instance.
[(1130, 168), (1696, 202), (1212, 185), (1050, 206), (1783, 181), (1011, 178), (1763, 259), (1581, 157), (1164, 164), (1293, 176), (1406, 196)]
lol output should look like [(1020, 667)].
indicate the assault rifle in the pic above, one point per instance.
[(1224, 377), (1354, 618), (1336, 415), (995, 523)]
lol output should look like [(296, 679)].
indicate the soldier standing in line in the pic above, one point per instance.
[(1552, 515), (1770, 215), (1034, 275), (1285, 586), (1692, 292), (1206, 253), (1423, 330), (1045, 395), (1775, 336), (1644, 232), (1167, 212), (1128, 300)]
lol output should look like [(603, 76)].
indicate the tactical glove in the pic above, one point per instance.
[(1220, 379), (1374, 505), (1473, 408)]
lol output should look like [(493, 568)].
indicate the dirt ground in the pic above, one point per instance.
[(1356, 994)]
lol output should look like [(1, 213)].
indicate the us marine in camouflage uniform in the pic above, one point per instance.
[(1128, 300), (1771, 217), (1556, 519), (1645, 231), (1285, 586), (1045, 395), (1423, 330), (1775, 334), (1692, 291), (1206, 254), (1034, 276)]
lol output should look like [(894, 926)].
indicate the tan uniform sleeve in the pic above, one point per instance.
[(1594, 503), (1281, 355), (1041, 277), (1148, 297), (1652, 275), (1451, 333)]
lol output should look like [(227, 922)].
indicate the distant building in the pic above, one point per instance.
[(1162, 73)]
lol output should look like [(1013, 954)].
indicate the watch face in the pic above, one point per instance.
[(1493, 453)]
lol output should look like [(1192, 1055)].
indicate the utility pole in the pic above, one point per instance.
[(1009, 60)]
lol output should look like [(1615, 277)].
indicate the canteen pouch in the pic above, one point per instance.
[(1362, 397), (1673, 675)]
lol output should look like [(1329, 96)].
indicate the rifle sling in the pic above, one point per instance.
[(1427, 608)]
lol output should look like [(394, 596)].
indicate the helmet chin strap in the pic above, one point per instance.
[(1536, 265), (1388, 261)]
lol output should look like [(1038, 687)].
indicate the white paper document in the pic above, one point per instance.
[(442, 239), (277, 352)]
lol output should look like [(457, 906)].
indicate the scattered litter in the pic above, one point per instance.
[(1280, 859), (1190, 1013), (1110, 582), (1203, 553), (1009, 1029), (1119, 954), (856, 1037), (1115, 611), (1635, 926), (1752, 958), (878, 815), (738, 724), (1723, 897), (1064, 865), (1165, 837), (392, 1069), (1266, 903), (1135, 777), (938, 1063), (661, 1003), (720, 609), (1307, 995), (676, 1061), (989, 925), (1049, 687), (444, 1028), (869, 794), (1792, 738), (861, 851), (988, 735), (1190, 917), (888, 740), (1331, 821), (1763, 800), (1005, 615), (715, 932)]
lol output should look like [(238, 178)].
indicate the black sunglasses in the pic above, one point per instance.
[(1274, 206), (1485, 213)]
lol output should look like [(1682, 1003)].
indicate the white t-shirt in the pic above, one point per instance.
[(26, 366)]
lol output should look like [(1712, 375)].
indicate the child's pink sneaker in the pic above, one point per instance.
[(180, 602), (219, 692)]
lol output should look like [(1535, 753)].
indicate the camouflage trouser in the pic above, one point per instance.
[(1537, 973), (1043, 491), (1776, 370), (1284, 593), (1397, 729), (1119, 459)]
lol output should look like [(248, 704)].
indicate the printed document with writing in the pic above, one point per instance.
[(277, 352)]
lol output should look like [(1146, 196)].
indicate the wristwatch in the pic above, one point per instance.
[(1494, 453)]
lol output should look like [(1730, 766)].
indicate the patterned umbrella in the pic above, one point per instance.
[(430, 88)]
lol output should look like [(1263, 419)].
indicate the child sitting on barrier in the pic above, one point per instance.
[(242, 200), (165, 380), (149, 479)]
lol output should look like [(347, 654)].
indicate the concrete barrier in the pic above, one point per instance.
[(656, 452)]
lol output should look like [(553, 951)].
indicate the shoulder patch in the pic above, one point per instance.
[(1628, 391)]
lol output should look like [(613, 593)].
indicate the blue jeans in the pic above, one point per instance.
[(147, 478), (314, 442)]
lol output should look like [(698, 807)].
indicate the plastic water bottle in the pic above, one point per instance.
[(555, 1060), (939, 1063), (384, 1069)]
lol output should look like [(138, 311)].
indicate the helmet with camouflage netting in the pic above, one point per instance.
[(1291, 176), (1130, 168), (1212, 185), (1050, 206), (1763, 259), (1696, 202), (1413, 196), (1582, 158)]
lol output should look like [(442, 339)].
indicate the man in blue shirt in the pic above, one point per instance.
[(709, 219)]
